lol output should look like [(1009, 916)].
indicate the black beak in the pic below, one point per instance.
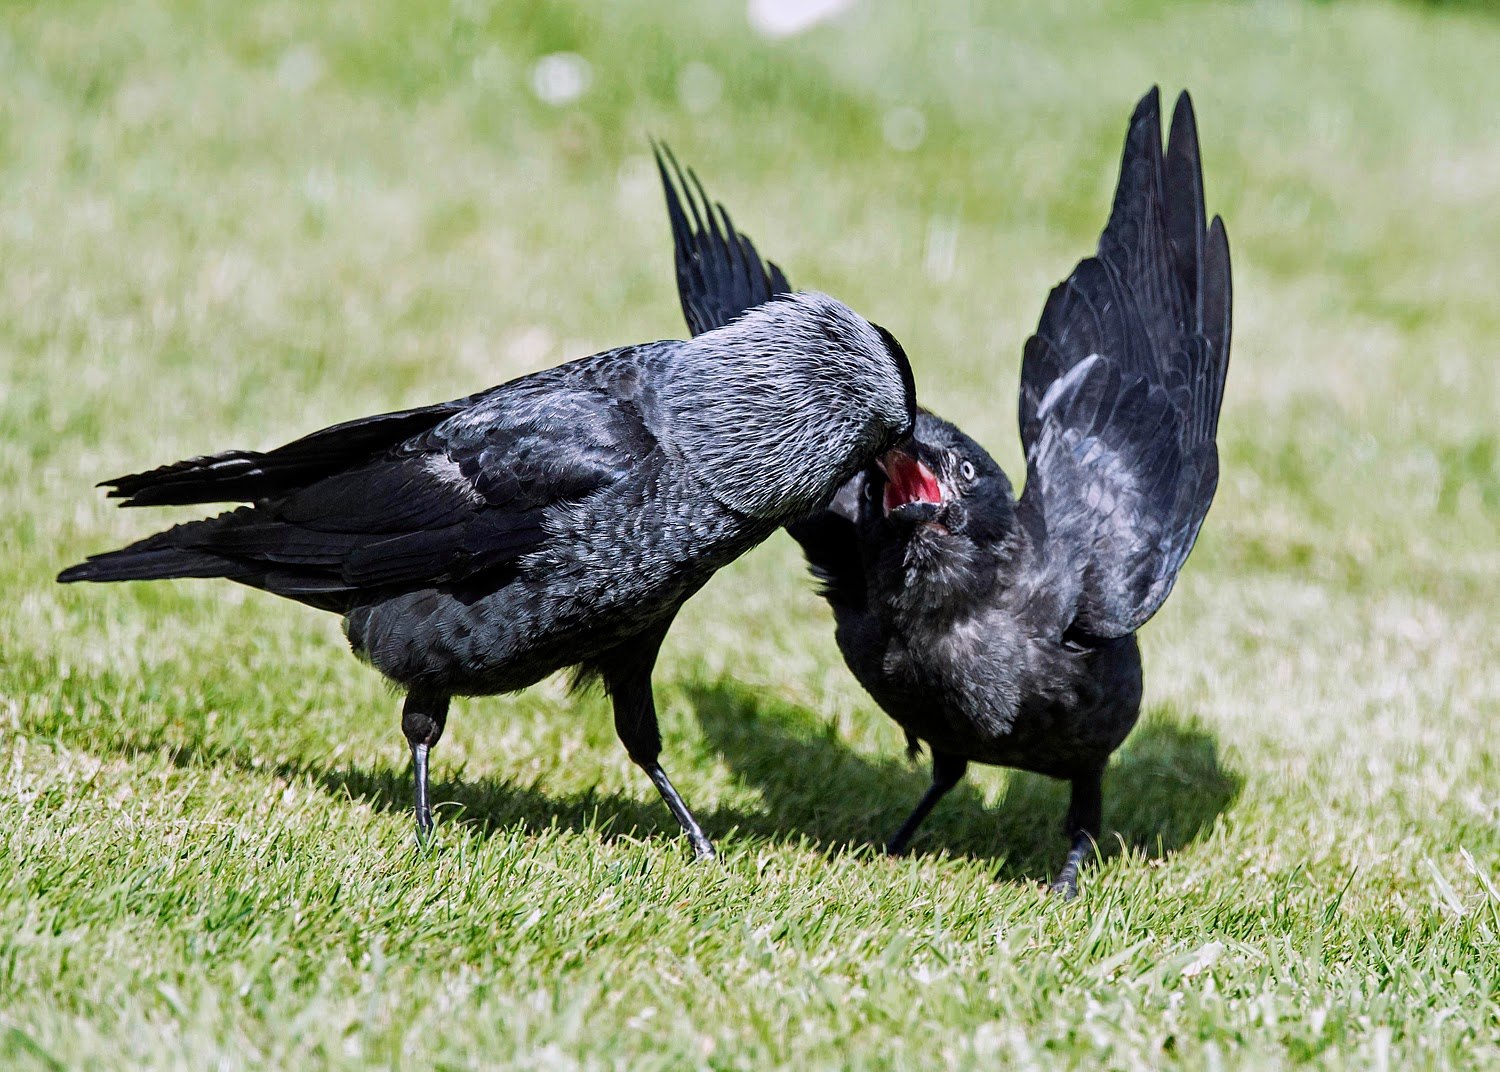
[(915, 513)]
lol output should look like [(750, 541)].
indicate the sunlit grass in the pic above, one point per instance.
[(229, 224)]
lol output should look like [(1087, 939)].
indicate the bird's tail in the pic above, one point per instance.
[(165, 555)]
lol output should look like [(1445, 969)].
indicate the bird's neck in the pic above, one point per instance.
[(933, 578)]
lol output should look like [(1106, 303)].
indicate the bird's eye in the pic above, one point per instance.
[(966, 469), (869, 490)]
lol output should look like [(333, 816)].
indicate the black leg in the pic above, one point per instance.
[(946, 772), (703, 848), (1085, 816), (629, 682), (422, 720)]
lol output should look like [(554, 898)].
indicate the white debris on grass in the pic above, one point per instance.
[(561, 78)]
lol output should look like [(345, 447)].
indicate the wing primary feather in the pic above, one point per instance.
[(1184, 201), (720, 273), (1218, 294), (245, 476), (1122, 385), (690, 283)]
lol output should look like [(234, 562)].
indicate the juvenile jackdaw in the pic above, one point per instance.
[(1002, 630), (560, 519)]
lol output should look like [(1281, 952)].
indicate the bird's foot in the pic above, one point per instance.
[(423, 807), (1064, 886), (703, 849)]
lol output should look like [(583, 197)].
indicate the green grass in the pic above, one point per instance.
[(229, 224)]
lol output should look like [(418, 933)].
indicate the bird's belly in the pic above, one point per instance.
[(1058, 739), (557, 611), (500, 642), (1052, 738), (1051, 719)]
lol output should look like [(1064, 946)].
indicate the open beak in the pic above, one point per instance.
[(912, 492)]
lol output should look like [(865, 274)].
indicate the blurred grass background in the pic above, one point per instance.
[(230, 224)]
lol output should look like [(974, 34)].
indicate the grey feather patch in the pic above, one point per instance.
[(774, 411)]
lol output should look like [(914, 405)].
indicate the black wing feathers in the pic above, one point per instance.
[(1184, 200), (461, 498), (247, 475), (719, 273), (1121, 388)]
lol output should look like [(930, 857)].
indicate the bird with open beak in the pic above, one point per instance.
[(912, 492), (999, 629)]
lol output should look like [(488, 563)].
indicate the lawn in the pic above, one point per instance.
[(228, 224)]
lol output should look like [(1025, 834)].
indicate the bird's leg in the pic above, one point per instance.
[(1085, 816), (946, 772), (635, 722), (423, 717)]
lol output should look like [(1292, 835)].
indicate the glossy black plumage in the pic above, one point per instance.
[(1002, 630), (719, 272), (557, 520)]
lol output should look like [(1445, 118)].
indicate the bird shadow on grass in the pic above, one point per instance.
[(1164, 789), (485, 805)]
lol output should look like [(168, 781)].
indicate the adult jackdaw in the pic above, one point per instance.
[(558, 520), (1002, 630)]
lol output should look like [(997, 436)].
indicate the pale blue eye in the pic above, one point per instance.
[(966, 470)]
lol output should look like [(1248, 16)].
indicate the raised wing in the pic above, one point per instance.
[(719, 276), (719, 273), (466, 497), (1121, 387)]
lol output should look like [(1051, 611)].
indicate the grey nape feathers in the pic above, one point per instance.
[(560, 519), (1002, 630)]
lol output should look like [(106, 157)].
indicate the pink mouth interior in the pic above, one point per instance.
[(908, 481)]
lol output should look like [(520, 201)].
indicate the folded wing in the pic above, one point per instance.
[(248, 475), (1121, 388), (466, 497)]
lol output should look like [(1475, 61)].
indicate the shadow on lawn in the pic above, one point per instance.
[(1163, 790)]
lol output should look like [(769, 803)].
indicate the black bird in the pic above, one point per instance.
[(1002, 630), (558, 520)]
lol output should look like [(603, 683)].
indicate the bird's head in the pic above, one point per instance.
[(936, 495), (781, 406)]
